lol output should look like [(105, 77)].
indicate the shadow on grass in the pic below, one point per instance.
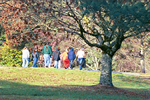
[(64, 92)]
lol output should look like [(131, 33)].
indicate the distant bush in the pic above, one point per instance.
[(10, 57)]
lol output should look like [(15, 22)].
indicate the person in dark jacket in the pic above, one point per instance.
[(71, 57), (34, 57), (83, 63), (56, 57)]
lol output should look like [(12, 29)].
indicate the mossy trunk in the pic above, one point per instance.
[(142, 61), (106, 73)]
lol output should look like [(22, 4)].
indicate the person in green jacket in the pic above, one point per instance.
[(47, 51)]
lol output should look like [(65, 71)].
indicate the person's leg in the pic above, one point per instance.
[(70, 66), (59, 63), (27, 62), (23, 62), (45, 60), (67, 63), (50, 62), (80, 61), (56, 64), (34, 63), (64, 64)]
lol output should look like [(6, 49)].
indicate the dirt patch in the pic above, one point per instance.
[(100, 89), (116, 91)]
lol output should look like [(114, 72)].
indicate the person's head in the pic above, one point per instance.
[(71, 49), (30, 49), (37, 49), (42, 44), (58, 47), (67, 50), (81, 49), (25, 47), (48, 43)]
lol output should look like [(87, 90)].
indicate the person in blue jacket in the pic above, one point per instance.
[(71, 57)]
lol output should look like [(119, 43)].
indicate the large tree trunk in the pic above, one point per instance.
[(106, 73), (142, 61), (142, 57)]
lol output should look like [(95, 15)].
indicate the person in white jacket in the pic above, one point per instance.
[(81, 56), (25, 57)]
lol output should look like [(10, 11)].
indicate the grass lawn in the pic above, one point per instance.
[(61, 84)]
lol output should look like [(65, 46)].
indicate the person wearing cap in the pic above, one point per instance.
[(25, 57), (80, 55)]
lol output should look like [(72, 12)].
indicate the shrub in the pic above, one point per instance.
[(11, 57)]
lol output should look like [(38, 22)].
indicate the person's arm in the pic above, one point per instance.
[(61, 57), (51, 52), (74, 55), (43, 50), (83, 54), (22, 54), (28, 54), (59, 54), (31, 57), (77, 55), (37, 55)]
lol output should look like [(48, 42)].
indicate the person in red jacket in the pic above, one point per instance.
[(66, 61)]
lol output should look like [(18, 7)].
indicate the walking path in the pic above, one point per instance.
[(126, 73)]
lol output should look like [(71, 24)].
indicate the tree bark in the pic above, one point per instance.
[(106, 73), (142, 61), (142, 57)]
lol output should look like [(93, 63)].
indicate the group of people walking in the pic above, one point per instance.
[(55, 58)]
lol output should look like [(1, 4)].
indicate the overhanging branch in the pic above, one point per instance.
[(4, 2)]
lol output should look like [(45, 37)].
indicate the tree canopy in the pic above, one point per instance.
[(109, 22)]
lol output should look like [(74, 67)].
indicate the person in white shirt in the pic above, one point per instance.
[(80, 55), (25, 57)]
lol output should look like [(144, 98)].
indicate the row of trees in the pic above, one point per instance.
[(103, 24)]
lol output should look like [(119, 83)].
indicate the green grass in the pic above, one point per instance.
[(61, 84)]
